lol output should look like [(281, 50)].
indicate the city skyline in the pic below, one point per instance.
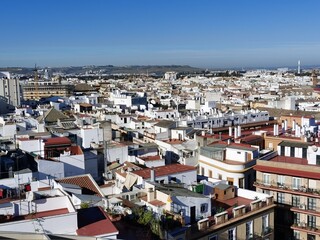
[(209, 34)]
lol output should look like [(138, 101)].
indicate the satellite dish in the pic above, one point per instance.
[(314, 148)]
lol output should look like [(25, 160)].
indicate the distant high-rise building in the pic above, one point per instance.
[(314, 78), (299, 67), (10, 89)]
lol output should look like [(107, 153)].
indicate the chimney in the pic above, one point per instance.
[(293, 125), (285, 125), (239, 131), (275, 129), (230, 131), (298, 131), (150, 195), (235, 133), (152, 175)]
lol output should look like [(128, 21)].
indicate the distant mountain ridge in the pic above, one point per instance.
[(110, 69)]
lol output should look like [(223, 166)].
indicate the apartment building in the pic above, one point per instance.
[(10, 89), (46, 89), (293, 179), (231, 162), (238, 214)]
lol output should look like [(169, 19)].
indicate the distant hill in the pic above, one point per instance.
[(110, 69)]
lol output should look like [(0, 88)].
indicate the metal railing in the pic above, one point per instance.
[(289, 187), (304, 226)]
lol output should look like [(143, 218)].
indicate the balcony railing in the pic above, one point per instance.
[(235, 213), (300, 190), (315, 229)]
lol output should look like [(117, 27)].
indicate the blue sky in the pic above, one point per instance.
[(203, 33)]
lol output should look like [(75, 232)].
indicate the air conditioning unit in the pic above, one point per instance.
[(302, 206)]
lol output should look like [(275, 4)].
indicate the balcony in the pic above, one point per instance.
[(303, 227), (232, 214), (285, 188), (303, 208)]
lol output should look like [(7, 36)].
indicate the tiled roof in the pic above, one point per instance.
[(94, 222), (164, 170), (157, 203), (295, 144), (164, 123), (151, 158), (241, 146), (52, 115), (86, 182), (251, 138), (47, 213)]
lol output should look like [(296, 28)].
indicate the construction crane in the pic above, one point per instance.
[(36, 83)]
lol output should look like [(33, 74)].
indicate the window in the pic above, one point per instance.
[(265, 223), (282, 150), (219, 176), (296, 235), (280, 197), (318, 160), (215, 237), (210, 174), (281, 180), (202, 171), (203, 208), (249, 229), (296, 218), (296, 183), (312, 204), (311, 237), (304, 152), (230, 181), (241, 182), (232, 234), (266, 192), (266, 179), (311, 221), (291, 151), (295, 201)]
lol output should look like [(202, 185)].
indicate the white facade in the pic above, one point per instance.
[(31, 145), (50, 223), (49, 168), (117, 153), (10, 89), (120, 99), (240, 175), (7, 129), (89, 135), (73, 164)]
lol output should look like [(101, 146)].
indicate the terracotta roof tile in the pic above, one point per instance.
[(94, 222), (164, 170), (86, 182)]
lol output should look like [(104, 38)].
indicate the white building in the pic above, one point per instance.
[(10, 88), (232, 163)]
